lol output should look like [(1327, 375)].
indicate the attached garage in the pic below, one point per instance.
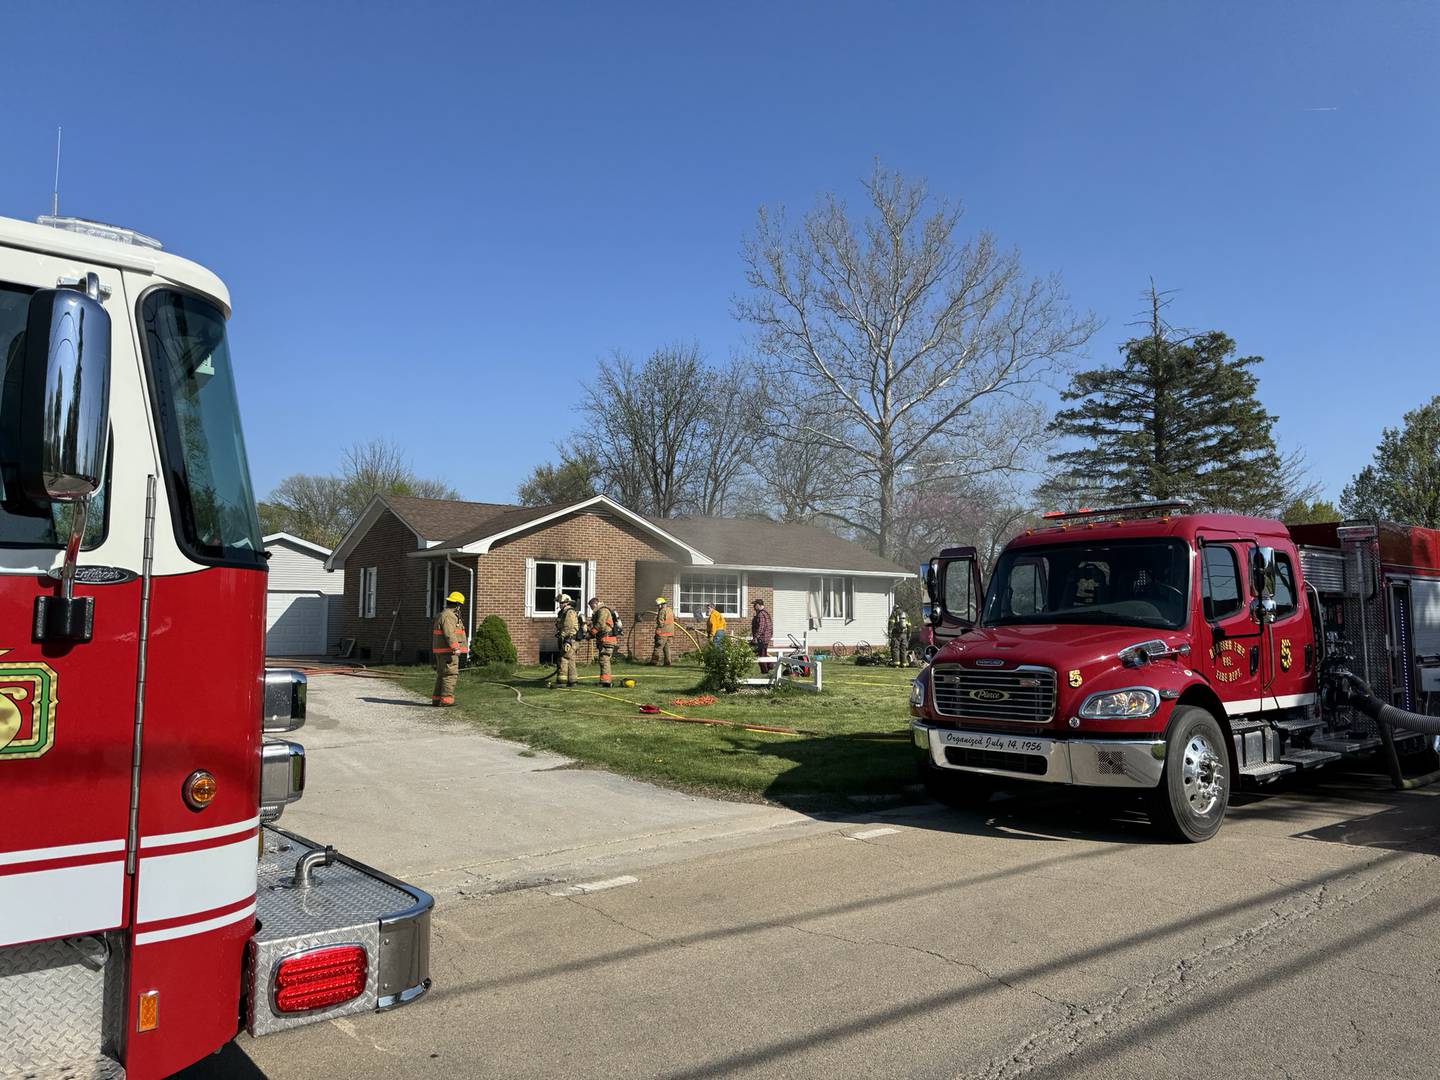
[(301, 598)]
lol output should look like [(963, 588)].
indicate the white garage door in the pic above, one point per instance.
[(295, 624)]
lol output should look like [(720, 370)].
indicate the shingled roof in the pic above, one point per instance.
[(760, 543), (452, 524), (436, 520)]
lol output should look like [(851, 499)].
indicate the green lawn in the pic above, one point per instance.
[(854, 737)]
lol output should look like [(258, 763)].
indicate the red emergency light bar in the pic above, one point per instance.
[(1131, 510)]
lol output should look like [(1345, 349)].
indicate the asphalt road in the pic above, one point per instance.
[(1049, 936)]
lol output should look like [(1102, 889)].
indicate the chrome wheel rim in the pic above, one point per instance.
[(1203, 776)]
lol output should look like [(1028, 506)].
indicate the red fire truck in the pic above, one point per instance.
[(1175, 654), (148, 905)]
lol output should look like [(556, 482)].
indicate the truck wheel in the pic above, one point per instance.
[(1194, 790), (962, 791)]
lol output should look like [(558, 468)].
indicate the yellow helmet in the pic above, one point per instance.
[(661, 600), (456, 597)]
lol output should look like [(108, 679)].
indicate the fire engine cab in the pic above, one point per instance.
[(1176, 654), (149, 907)]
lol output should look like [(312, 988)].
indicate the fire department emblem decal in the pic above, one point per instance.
[(27, 709), (1229, 656)]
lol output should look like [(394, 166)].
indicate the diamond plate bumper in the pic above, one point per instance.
[(59, 1005), (344, 902)]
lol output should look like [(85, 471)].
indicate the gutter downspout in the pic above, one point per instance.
[(470, 607)]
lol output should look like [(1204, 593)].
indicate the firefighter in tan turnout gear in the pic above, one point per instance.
[(899, 638), (567, 630), (664, 632), (448, 644), (602, 630)]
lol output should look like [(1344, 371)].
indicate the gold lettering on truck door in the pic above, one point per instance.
[(27, 710)]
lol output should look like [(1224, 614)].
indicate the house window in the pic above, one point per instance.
[(832, 599), (553, 578), (700, 591), (435, 591), (369, 576)]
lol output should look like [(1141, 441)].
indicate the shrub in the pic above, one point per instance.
[(726, 662), (492, 644)]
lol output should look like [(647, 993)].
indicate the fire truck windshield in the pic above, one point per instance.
[(1125, 582), (22, 525), (200, 437)]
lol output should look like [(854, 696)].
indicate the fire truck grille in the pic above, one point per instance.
[(1024, 695)]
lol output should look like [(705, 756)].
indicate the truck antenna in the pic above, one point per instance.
[(55, 191)]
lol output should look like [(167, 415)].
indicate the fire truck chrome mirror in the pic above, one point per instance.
[(283, 706), (59, 421)]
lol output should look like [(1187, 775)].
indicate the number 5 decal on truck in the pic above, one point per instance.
[(27, 709)]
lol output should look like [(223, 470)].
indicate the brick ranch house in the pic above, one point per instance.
[(403, 555)]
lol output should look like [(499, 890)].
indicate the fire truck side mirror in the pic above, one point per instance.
[(65, 395), (1262, 579)]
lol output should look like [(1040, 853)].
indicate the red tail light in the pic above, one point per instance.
[(320, 978)]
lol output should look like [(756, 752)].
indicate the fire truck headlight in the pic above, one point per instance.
[(1132, 702), (917, 693)]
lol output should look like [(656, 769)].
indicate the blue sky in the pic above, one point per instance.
[(436, 219)]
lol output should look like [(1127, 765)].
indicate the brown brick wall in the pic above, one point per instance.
[(399, 594), (615, 545)]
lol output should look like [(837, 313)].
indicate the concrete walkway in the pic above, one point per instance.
[(411, 791)]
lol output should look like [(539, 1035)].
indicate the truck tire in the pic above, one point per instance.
[(959, 790), (1189, 802)]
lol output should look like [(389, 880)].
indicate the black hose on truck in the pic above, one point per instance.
[(1352, 691)]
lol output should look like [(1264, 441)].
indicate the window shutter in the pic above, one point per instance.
[(360, 593), (588, 586), (374, 589), (429, 588), (529, 587)]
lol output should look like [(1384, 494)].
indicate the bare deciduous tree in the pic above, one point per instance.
[(669, 435), (925, 343)]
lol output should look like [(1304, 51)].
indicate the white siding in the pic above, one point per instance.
[(872, 611), (302, 600), (297, 570)]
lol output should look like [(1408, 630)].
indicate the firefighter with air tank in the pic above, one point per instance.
[(567, 631), (899, 637), (602, 630), (664, 632)]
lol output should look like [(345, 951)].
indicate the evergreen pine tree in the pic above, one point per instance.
[(1178, 419)]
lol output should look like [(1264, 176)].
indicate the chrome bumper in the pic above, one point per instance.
[(1116, 763), (342, 902)]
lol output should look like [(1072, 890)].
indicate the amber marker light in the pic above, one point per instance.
[(200, 788), (147, 1015)]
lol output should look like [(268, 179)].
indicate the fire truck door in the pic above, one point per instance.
[(952, 582), (67, 707), (1232, 658), (1289, 641)]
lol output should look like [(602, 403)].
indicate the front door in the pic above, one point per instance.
[(66, 708), (1233, 660), (1290, 642)]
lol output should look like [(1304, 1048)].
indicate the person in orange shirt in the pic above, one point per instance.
[(714, 623)]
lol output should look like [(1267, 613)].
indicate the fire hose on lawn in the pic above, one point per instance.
[(1351, 690)]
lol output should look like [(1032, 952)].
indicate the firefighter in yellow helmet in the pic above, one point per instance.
[(448, 644), (602, 629), (664, 631), (567, 629)]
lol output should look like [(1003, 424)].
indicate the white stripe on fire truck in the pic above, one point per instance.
[(189, 882), (1285, 701), (189, 837), (195, 928), (68, 851), (45, 904)]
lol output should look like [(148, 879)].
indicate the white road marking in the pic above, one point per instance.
[(596, 886), (869, 834)]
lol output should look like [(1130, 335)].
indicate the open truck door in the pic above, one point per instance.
[(955, 593)]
